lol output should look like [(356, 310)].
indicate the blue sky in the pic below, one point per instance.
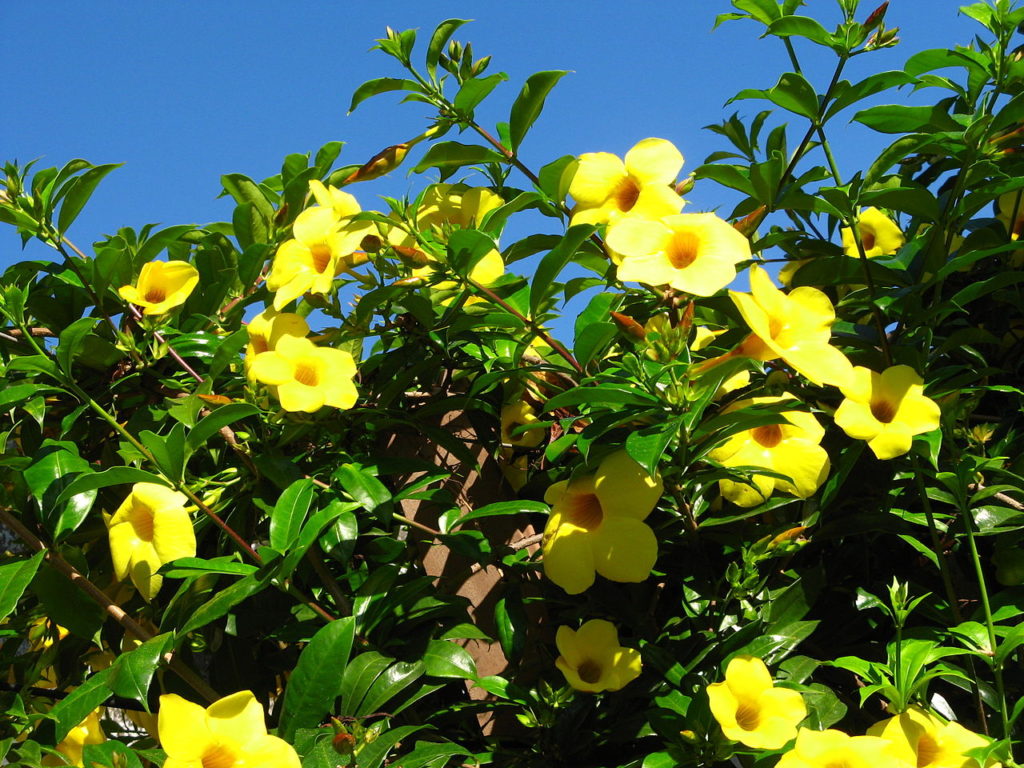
[(184, 92)]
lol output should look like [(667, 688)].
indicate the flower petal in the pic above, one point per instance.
[(654, 161), (624, 488), (184, 734), (624, 549), (596, 177), (237, 718), (569, 559)]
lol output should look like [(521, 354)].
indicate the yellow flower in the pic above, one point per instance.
[(887, 409), (592, 659), (926, 742), (604, 187), (596, 525), (485, 272), (86, 732), (692, 252), (307, 377), (795, 326), (517, 415), (791, 449), (267, 328), (149, 529), (834, 749), (230, 733), (878, 234), (161, 286), (324, 245), (751, 710), (455, 205)]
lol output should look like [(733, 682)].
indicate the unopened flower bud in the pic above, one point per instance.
[(628, 325), (685, 186)]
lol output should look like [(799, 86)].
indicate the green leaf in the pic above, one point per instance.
[(802, 26), (847, 94), (362, 486), (429, 754), (373, 754), (133, 671), (901, 118), (250, 225), (602, 394), (792, 93), (554, 262), (78, 195), (475, 90), (290, 513), (337, 514), (593, 341), (113, 476), (499, 508), (646, 446), (224, 601), (55, 467), (168, 451), (65, 604), (316, 681), (245, 190), (381, 85), (450, 155), (218, 419), (110, 754), (371, 680), (185, 567), (76, 706), (529, 103), (14, 580), (438, 40), (444, 658), (70, 341), (465, 249)]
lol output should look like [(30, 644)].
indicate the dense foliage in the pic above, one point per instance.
[(329, 471)]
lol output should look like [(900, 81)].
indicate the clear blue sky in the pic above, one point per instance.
[(182, 92)]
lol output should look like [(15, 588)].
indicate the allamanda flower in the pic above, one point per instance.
[(150, 528), (592, 659), (795, 326), (604, 187), (267, 328), (72, 746), (887, 409), (230, 733), (324, 245), (792, 448), (925, 741), (834, 749), (878, 234), (307, 377), (692, 252), (596, 525), (519, 414), (161, 286), (455, 205), (751, 710)]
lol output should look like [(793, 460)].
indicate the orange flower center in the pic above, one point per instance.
[(769, 435), (218, 756), (748, 717), (584, 510), (259, 344), (626, 193), (683, 249), (321, 256), (141, 518), (307, 374), (776, 325), (927, 750), (589, 671), (883, 410), (155, 294), (867, 239)]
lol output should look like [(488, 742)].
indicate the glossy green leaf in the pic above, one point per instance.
[(14, 580), (475, 90), (362, 486), (290, 513), (529, 104), (168, 450), (133, 671), (792, 93), (381, 85), (802, 26), (551, 266), (217, 420), (224, 600), (444, 658), (438, 40), (54, 468), (317, 678), (646, 446), (373, 754), (76, 706), (450, 155), (69, 344), (79, 192)]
